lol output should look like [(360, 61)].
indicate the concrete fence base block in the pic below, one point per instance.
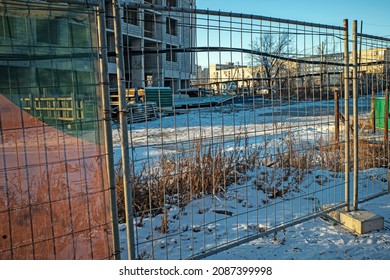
[(360, 221)]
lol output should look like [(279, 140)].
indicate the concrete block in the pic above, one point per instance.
[(360, 221)]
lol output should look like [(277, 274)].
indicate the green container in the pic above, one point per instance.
[(380, 112), (161, 95)]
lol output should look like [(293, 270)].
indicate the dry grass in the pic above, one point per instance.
[(176, 179), (371, 155), (202, 169)]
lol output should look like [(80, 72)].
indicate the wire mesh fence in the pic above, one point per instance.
[(250, 135), (233, 127), (373, 82)]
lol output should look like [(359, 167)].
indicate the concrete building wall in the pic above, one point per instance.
[(156, 31)]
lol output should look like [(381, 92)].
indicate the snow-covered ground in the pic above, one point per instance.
[(320, 240), (244, 211), (206, 223)]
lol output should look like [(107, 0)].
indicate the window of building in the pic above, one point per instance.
[(8, 27), (79, 36), (171, 3), (171, 54), (171, 26), (13, 77), (149, 25), (131, 16), (168, 82), (47, 31), (184, 84), (155, 2)]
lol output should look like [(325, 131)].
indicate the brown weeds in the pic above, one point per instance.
[(202, 168), (176, 179)]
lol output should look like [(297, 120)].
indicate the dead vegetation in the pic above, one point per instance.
[(371, 154), (177, 178), (202, 168)]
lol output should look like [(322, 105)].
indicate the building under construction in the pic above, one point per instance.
[(150, 39)]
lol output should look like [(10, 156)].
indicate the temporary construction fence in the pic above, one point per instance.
[(281, 129)]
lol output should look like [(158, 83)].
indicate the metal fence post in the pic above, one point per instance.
[(373, 112), (105, 90), (355, 117), (120, 66), (346, 112), (336, 118), (388, 181), (386, 125)]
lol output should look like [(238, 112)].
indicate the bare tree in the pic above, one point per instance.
[(268, 52)]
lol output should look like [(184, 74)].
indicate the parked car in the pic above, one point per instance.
[(265, 91)]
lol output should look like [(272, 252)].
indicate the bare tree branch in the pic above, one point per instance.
[(271, 65)]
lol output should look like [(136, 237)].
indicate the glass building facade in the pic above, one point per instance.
[(54, 200)]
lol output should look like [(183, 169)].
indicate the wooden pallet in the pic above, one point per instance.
[(141, 112)]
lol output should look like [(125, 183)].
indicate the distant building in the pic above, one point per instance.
[(235, 77), (374, 60), (201, 77), (373, 67), (315, 74)]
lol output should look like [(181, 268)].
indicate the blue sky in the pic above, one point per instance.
[(374, 14)]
